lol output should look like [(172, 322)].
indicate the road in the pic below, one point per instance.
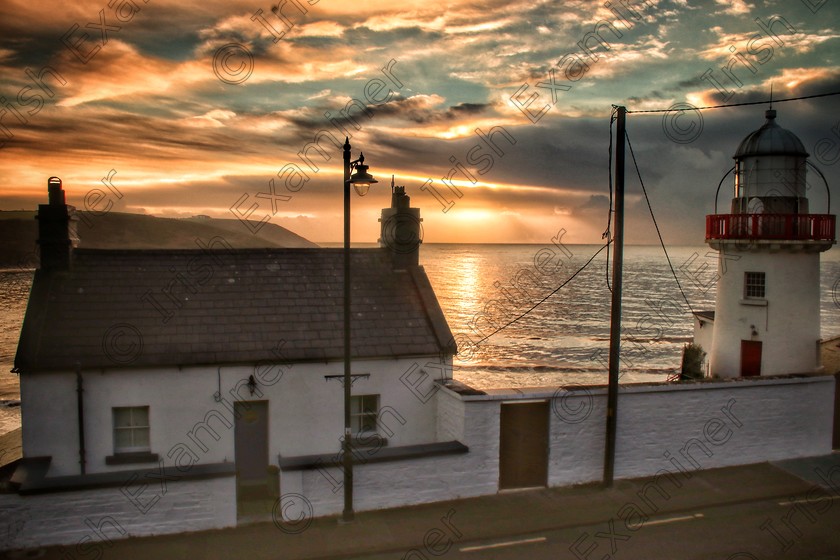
[(759, 530)]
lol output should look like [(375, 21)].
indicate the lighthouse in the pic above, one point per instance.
[(766, 319)]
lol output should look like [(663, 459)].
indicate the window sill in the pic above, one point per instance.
[(757, 302), (131, 458)]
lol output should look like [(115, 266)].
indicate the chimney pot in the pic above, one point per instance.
[(55, 192), (56, 229)]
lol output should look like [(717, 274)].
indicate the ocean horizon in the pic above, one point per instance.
[(512, 328)]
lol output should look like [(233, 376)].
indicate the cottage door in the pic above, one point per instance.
[(750, 358), (251, 449), (523, 445)]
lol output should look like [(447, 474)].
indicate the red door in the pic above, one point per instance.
[(750, 358)]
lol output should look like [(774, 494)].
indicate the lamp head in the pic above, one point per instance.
[(361, 179)]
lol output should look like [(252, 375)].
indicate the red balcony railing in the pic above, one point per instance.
[(794, 227)]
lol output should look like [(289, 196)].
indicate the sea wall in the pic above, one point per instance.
[(688, 426), (671, 428), (89, 520), (427, 479), (662, 428)]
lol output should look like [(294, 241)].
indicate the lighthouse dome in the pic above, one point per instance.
[(770, 139)]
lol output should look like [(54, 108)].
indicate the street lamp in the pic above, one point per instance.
[(361, 181)]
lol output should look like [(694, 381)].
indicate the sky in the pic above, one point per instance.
[(495, 115)]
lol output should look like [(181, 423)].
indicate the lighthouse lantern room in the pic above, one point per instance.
[(767, 310)]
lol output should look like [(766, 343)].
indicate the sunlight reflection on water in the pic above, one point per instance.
[(566, 339)]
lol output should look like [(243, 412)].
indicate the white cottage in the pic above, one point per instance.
[(171, 391), (223, 366), (767, 310)]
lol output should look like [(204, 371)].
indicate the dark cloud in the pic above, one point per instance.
[(597, 203), (459, 68)]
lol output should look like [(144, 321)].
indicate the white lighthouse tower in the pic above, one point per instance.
[(767, 311)]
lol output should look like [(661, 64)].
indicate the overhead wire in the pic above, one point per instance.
[(606, 235), (543, 300), (722, 106), (656, 225), (639, 174), (608, 232)]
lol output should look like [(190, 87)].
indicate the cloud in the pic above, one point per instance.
[(150, 106), (734, 7), (596, 204), (215, 118)]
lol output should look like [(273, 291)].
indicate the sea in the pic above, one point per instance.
[(529, 315)]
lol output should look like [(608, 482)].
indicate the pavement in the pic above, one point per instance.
[(426, 529)]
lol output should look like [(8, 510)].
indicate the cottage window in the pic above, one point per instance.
[(364, 414), (131, 429), (753, 285)]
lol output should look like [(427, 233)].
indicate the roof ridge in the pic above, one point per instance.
[(122, 254)]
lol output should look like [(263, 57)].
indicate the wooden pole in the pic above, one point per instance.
[(615, 314)]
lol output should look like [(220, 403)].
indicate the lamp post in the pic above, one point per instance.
[(361, 181)]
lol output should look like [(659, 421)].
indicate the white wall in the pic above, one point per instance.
[(736, 422), (48, 419), (305, 410), (710, 425), (673, 427), (704, 337), (415, 481), (788, 326), (93, 517), (700, 425), (576, 434)]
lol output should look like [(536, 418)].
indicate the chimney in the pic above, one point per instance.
[(56, 229), (401, 232)]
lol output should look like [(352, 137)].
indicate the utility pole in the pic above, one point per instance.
[(615, 313)]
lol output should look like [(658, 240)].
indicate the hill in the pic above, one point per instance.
[(115, 230)]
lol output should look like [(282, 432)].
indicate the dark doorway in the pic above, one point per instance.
[(253, 483), (523, 445), (750, 358)]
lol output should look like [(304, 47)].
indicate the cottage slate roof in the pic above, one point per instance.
[(150, 308)]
